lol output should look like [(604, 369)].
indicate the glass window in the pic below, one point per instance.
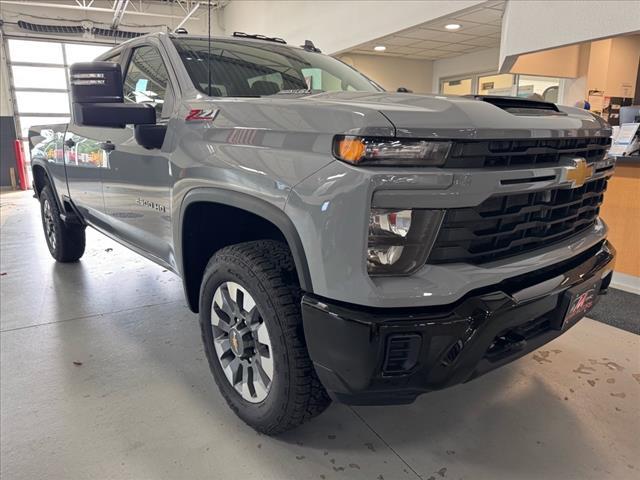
[(35, 52), (246, 69), (457, 87), (546, 87), (146, 79), (38, 77), (500, 84), (77, 52), (42, 102)]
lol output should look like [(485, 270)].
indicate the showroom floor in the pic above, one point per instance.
[(103, 376)]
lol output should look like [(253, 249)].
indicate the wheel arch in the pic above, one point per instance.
[(40, 178), (193, 251)]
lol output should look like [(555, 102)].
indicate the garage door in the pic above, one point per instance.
[(40, 80)]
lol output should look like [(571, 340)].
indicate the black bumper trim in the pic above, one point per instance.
[(461, 341)]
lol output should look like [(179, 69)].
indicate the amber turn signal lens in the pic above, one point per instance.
[(351, 149)]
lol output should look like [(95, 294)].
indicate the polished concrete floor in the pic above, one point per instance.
[(103, 376)]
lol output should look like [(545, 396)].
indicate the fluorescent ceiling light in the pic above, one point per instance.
[(379, 48), (452, 26)]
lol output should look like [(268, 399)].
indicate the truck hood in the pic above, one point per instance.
[(433, 116)]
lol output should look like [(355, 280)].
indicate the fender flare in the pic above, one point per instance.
[(253, 205), (39, 163)]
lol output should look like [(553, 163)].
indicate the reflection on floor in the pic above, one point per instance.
[(103, 376)]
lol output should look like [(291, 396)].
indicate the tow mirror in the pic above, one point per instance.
[(98, 99), (150, 136)]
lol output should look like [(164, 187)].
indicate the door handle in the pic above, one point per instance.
[(69, 143), (107, 146)]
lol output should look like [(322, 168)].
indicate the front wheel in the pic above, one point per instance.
[(252, 332), (66, 242)]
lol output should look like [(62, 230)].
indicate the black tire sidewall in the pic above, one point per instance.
[(275, 404)]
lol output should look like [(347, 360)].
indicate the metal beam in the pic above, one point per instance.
[(188, 16), (118, 13), (37, 4)]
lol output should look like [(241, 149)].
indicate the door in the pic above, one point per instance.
[(137, 182), (85, 161)]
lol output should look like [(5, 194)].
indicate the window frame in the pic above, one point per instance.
[(171, 95)]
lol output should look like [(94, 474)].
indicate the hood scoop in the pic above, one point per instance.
[(520, 106)]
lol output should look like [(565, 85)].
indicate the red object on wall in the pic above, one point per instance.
[(20, 164)]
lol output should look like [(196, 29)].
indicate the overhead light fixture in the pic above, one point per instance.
[(452, 26), (379, 48)]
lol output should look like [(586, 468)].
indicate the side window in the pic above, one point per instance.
[(147, 80)]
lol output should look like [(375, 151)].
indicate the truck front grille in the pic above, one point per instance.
[(507, 225), (524, 152)]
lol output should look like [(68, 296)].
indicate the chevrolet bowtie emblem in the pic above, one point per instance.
[(578, 173)]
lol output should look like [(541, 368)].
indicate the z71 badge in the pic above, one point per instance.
[(198, 114)]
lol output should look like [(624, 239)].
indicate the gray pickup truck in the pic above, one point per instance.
[(338, 241)]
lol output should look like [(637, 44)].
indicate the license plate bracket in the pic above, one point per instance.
[(578, 301)]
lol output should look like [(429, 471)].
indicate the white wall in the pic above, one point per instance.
[(562, 22), (477, 62), (334, 26), (394, 72)]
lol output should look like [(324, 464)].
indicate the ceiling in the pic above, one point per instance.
[(480, 29)]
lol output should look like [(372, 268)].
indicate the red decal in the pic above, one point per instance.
[(198, 114)]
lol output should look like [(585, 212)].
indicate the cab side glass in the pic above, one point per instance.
[(146, 79)]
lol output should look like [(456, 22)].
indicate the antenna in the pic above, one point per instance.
[(209, 47)]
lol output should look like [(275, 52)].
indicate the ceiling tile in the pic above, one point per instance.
[(428, 44), (457, 47), (440, 24), (395, 40), (483, 41), (484, 15), (480, 30), (497, 4), (424, 34), (448, 37)]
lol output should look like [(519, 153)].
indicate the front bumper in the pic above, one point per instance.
[(369, 356)]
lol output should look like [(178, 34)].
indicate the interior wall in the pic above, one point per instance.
[(562, 22), (477, 62), (575, 89), (560, 62), (334, 26), (613, 66), (623, 66), (394, 72)]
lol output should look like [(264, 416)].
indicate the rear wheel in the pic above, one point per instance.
[(66, 242), (252, 332)]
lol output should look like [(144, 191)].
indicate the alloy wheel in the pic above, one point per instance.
[(49, 226), (241, 341)]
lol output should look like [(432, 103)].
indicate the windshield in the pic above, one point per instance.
[(251, 69)]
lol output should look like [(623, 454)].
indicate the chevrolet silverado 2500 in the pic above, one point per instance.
[(338, 241)]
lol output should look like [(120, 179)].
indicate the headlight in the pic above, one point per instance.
[(369, 151), (400, 240)]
